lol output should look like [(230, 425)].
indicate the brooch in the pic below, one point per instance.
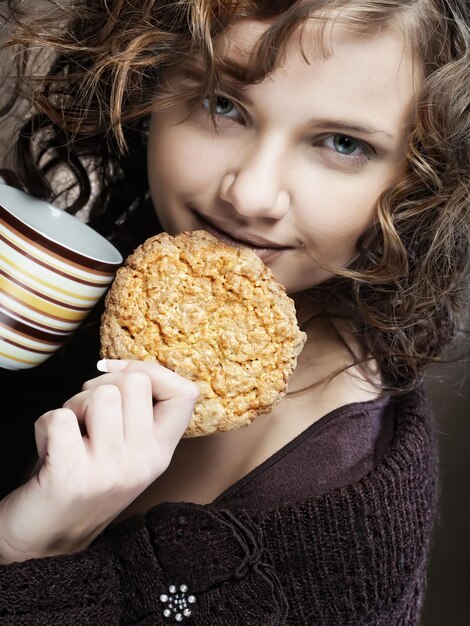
[(177, 602)]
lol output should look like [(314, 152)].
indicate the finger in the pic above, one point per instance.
[(137, 402), (112, 365), (99, 410), (58, 436), (166, 384), (171, 419), (175, 395), (137, 407)]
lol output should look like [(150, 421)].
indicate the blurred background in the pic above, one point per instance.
[(448, 594)]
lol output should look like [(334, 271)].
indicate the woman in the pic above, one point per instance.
[(329, 137)]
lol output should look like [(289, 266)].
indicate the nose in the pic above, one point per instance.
[(254, 186)]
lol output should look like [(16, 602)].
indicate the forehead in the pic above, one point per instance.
[(316, 38), (371, 72)]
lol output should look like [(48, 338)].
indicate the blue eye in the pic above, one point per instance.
[(344, 144), (349, 150), (223, 107)]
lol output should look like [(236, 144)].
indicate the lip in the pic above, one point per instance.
[(228, 233)]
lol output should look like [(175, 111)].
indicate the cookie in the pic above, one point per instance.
[(214, 314)]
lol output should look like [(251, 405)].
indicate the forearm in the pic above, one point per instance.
[(82, 588), (122, 576)]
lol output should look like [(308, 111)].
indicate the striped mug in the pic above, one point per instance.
[(53, 270)]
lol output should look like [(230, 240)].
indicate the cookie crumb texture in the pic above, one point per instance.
[(211, 312)]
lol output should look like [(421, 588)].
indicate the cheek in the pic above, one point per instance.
[(339, 213), (166, 161), (178, 161)]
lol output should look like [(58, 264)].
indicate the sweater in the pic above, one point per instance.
[(335, 451), (354, 555)]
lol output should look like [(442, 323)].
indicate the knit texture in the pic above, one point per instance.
[(353, 556)]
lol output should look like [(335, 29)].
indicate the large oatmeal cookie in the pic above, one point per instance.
[(211, 312)]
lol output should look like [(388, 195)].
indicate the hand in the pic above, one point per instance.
[(97, 454)]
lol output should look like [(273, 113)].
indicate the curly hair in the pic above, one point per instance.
[(108, 63)]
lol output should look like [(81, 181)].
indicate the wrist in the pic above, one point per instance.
[(58, 546)]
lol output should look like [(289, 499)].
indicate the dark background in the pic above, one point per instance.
[(448, 595)]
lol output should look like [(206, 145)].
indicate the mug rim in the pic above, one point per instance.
[(89, 260)]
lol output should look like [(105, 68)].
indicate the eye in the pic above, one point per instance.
[(223, 107), (345, 145), (347, 149)]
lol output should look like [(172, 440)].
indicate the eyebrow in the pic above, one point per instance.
[(342, 125)]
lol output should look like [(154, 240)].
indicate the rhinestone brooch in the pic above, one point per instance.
[(177, 602)]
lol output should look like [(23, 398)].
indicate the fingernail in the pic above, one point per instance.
[(112, 365), (102, 366)]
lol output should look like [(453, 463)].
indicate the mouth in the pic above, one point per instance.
[(235, 236)]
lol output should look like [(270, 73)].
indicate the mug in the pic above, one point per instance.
[(53, 270)]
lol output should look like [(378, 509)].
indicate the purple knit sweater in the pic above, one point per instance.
[(353, 556)]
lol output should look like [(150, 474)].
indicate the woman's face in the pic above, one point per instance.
[(297, 162)]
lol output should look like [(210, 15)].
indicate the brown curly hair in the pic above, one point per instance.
[(108, 63)]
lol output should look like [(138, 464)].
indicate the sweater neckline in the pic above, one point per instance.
[(342, 411)]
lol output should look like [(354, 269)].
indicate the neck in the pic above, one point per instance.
[(329, 358)]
